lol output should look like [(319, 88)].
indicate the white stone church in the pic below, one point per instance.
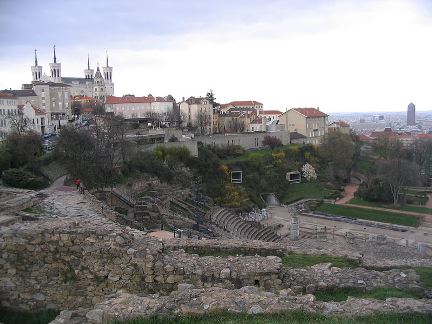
[(97, 86)]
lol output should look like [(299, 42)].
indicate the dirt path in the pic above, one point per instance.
[(429, 202), (349, 192)]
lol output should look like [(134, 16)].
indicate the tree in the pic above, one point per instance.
[(271, 141), (397, 173), (203, 122), (389, 148), (309, 172), (95, 155), (19, 124), (236, 125), (76, 108), (337, 150), (173, 116), (23, 148)]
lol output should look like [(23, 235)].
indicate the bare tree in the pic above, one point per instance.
[(203, 122), (398, 173), (236, 125), (19, 123)]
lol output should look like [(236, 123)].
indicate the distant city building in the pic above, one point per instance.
[(411, 115)]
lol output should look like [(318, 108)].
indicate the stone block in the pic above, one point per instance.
[(225, 273)]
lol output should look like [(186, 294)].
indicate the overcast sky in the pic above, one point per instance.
[(337, 55)]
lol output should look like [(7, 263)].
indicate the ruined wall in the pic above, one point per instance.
[(324, 276), (70, 263)]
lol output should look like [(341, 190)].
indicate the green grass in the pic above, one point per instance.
[(232, 252), (294, 260), (292, 317), (33, 210), (332, 294), (13, 317), (370, 214), (425, 276), (363, 165), (409, 208), (251, 155), (299, 191)]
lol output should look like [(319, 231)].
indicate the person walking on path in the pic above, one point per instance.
[(77, 183)]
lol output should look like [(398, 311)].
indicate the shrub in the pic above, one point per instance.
[(271, 141), (376, 190), (22, 179)]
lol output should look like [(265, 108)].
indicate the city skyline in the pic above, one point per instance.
[(339, 56)]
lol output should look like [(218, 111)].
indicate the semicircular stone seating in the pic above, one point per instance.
[(228, 221)]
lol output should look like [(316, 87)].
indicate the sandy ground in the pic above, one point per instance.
[(282, 215), (429, 202), (162, 235)]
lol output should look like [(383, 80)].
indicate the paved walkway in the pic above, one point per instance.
[(429, 202), (349, 192)]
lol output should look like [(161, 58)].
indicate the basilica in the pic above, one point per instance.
[(97, 85)]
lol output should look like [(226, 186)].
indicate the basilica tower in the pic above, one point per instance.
[(55, 69), (36, 70), (99, 86), (107, 74), (88, 72)]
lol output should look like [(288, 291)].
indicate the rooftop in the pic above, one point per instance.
[(310, 112)]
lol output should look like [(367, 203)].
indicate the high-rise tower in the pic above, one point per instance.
[(55, 69), (36, 69), (107, 74), (411, 115)]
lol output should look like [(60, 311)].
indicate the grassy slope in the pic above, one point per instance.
[(369, 214), (416, 209), (293, 317), (299, 191), (306, 260), (11, 317)]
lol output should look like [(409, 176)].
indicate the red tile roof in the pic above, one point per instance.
[(128, 99), (37, 110), (133, 99), (82, 98), (310, 112), (272, 112), (364, 138), (240, 103), (424, 136), (7, 95)]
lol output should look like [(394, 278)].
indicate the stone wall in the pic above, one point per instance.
[(188, 300), (245, 140), (70, 263), (323, 276)]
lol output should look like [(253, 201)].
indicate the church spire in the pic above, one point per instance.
[(107, 59), (36, 62), (88, 61), (55, 58)]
